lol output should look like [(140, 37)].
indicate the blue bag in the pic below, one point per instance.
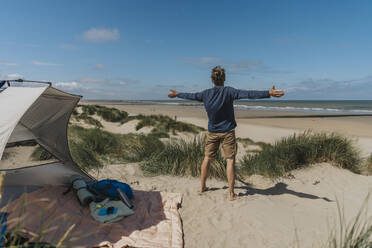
[(108, 188), (3, 218)]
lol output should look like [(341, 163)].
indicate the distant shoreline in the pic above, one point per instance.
[(284, 108)]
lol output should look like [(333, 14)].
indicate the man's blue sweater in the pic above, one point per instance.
[(218, 102)]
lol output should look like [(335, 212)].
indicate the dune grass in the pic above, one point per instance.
[(356, 234), (300, 150), (88, 120), (180, 157), (14, 236), (246, 142), (40, 154), (107, 114), (93, 148), (368, 165), (164, 124), (139, 147)]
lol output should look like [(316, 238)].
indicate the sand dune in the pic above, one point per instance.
[(268, 214), (265, 129), (296, 212), (299, 211)]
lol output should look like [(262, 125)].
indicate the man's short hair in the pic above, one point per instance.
[(218, 75)]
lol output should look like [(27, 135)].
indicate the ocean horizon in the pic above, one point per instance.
[(345, 107)]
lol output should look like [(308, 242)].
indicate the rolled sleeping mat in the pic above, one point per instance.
[(85, 197), (80, 187)]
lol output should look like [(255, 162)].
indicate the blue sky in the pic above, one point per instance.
[(140, 49)]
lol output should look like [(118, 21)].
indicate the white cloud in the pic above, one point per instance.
[(92, 80), (108, 82), (100, 66), (12, 76), (100, 88), (8, 64), (40, 63), (67, 85), (101, 35)]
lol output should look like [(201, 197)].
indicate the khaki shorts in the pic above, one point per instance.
[(226, 140)]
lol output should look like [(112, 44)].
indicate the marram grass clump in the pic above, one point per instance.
[(108, 114), (93, 148), (40, 154), (180, 157), (88, 120), (139, 147), (300, 150), (164, 124), (356, 234), (368, 165)]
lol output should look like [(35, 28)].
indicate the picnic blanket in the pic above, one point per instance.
[(156, 222)]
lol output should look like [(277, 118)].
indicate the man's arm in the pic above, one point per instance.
[(190, 96), (256, 94)]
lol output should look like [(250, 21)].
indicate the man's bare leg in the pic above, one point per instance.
[(204, 172), (230, 172)]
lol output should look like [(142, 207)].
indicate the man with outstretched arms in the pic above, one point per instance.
[(218, 102)]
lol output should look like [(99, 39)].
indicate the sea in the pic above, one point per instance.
[(342, 107)]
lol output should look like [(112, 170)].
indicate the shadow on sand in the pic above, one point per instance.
[(278, 189)]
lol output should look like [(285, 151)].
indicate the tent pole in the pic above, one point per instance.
[(25, 81)]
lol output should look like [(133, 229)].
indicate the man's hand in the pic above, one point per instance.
[(173, 93), (276, 93)]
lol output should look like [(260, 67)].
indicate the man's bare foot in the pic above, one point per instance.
[(233, 196), (203, 189)]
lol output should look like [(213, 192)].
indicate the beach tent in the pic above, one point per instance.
[(41, 113), (36, 112)]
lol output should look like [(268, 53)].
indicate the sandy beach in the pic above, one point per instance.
[(300, 211)]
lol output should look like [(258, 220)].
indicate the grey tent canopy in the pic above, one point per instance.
[(42, 114)]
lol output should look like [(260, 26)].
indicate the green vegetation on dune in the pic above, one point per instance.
[(85, 158), (93, 148), (164, 124), (300, 150), (40, 154), (88, 120), (180, 157), (369, 159), (368, 165), (107, 114), (356, 234), (140, 147), (247, 141)]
